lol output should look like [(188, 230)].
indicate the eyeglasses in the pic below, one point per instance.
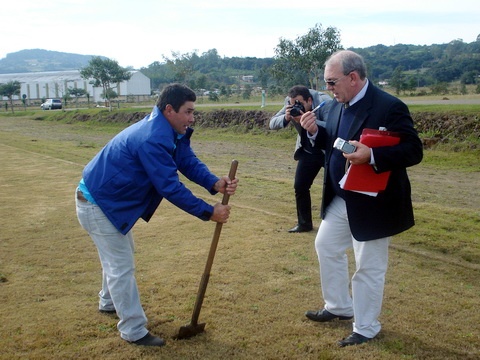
[(334, 82)]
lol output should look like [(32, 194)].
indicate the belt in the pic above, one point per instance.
[(81, 197)]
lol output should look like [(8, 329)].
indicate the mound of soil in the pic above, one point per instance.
[(438, 126), (447, 126)]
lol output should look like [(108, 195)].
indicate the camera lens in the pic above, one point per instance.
[(297, 109)]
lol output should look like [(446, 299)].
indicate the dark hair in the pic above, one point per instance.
[(176, 95), (351, 61), (299, 90)]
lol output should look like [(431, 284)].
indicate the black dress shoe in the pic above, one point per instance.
[(353, 339), (149, 340), (324, 316), (300, 229), (109, 312)]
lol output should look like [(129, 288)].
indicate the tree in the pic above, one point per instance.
[(9, 90), (247, 92), (398, 79), (213, 96), (76, 93), (182, 65), (306, 55), (105, 73), (263, 76), (410, 84), (469, 77)]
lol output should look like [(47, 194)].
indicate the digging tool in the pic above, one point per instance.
[(194, 327)]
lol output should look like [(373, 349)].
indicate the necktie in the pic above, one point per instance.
[(337, 161), (346, 120)]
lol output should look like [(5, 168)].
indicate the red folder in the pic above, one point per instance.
[(363, 177)]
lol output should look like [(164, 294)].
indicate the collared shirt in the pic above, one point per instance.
[(86, 193), (354, 100), (360, 95)]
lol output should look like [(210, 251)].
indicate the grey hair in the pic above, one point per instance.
[(350, 61)]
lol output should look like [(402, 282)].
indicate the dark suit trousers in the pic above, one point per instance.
[(308, 167)]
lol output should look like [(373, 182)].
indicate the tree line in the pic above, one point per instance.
[(300, 61)]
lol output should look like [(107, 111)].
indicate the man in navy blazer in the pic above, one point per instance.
[(357, 220)]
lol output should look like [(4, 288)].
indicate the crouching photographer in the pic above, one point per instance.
[(310, 160)]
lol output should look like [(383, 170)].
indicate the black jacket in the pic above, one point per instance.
[(391, 211)]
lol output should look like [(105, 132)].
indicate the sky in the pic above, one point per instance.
[(139, 32)]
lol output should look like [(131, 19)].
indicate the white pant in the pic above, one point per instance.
[(119, 287), (371, 258)]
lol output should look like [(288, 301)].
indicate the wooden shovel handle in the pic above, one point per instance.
[(211, 255), (231, 176)]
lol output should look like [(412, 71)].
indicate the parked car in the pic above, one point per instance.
[(51, 104)]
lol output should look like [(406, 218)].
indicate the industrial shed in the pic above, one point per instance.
[(54, 84)]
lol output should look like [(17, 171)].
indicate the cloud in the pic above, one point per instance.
[(139, 33)]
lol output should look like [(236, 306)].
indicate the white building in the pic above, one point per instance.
[(54, 84)]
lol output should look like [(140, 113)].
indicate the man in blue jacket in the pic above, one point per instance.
[(126, 181)]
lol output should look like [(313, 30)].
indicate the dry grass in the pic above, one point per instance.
[(263, 279)]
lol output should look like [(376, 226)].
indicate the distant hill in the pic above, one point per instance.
[(35, 60)]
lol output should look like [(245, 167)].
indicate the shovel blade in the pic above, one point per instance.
[(190, 330)]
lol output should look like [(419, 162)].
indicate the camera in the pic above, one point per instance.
[(344, 146), (297, 109)]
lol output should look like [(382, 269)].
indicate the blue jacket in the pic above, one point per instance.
[(131, 175)]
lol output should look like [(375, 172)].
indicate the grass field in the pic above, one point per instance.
[(263, 279)]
